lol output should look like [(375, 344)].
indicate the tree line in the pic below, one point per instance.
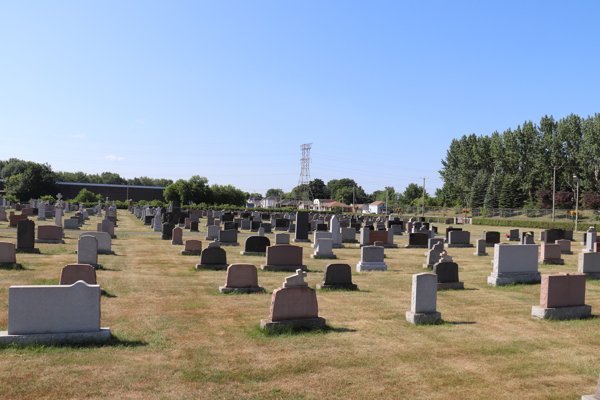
[(516, 168)]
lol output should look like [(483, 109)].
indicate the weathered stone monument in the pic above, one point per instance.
[(26, 237), (177, 236), (294, 304), (480, 248), (371, 259), (459, 239), (54, 314), (433, 255), (337, 276), (77, 272), (87, 250), (213, 258), (284, 257), (191, 248), (424, 298), (323, 249), (104, 241), (8, 254), (256, 246), (562, 296), (241, 278), (589, 264), (49, 234), (228, 237), (514, 264), (550, 254), (447, 273)]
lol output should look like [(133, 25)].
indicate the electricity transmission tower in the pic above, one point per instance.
[(303, 191)]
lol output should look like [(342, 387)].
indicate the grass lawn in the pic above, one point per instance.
[(176, 337)]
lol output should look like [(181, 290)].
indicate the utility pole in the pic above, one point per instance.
[(554, 189), (423, 214), (386, 200)]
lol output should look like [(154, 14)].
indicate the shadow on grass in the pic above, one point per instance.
[(288, 330), (43, 348), (106, 294), (100, 267), (13, 267), (515, 286), (218, 293), (46, 282)]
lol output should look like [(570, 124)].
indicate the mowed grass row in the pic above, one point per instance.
[(177, 337)]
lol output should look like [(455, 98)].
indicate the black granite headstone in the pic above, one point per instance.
[(446, 272), (167, 231), (194, 226), (302, 226), (257, 244), (25, 235), (418, 239)]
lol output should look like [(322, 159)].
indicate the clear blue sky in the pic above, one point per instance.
[(230, 90)]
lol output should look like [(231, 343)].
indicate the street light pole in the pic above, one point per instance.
[(554, 189), (576, 203), (423, 212)]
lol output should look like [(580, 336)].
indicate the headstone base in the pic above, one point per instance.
[(338, 246), (57, 241), (301, 240), (490, 244), (423, 318), (212, 267), (177, 243), (415, 246), (451, 285), (190, 253), (391, 246), (257, 289), (252, 253), (505, 279), (347, 286), (210, 238), (480, 254), (592, 275), (566, 252), (461, 245), (371, 266), (229, 244), (102, 336), (349, 241), (290, 268), (295, 323), (590, 397), (553, 261), (35, 250), (561, 313), (318, 257)]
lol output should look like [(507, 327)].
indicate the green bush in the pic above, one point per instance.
[(582, 226)]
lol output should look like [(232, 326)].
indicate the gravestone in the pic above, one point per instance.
[(266, 226), (371, 259), (87, 250), (148, 219), (590, 240), (104, 241), (589, 264), (194, 226), (177, 236), (241, 278), (294, 304), (227, 226), (213, 258), (550, 254), (336, 234), (284, 257), (8, 254), (514, 264), (565, 246), (449, 229), (14, 219), (337, 276), (49, 234), (423, 302), (256, 245), (167, 231), (319, 235), (191, 248), (282, 238), (480, 248), (527, 237), (348, 235), (77, 272), (26, 237), (514, 235), (552, 235), (3, 215), (491, 238), (228, 238), (460, 239), (562, 296), (447, 275), (54, 314), (417, 241), (323, 249), (212, 233), (433, 255)]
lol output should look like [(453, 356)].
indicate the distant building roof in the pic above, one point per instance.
[(376, 203), (108, 185)]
